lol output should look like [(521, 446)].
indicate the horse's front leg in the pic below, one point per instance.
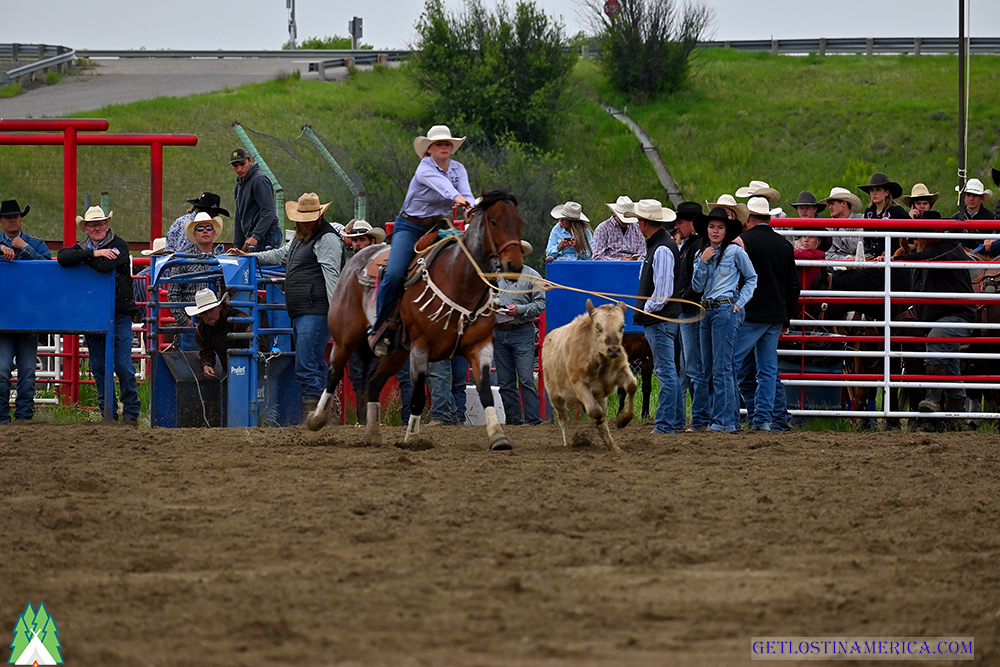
[(418, 398), (480, 360)]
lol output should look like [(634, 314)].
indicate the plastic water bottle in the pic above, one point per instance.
[(859, 256)]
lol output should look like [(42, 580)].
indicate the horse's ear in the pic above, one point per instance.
[(590, 307)]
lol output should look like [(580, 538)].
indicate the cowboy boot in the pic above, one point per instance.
[(955, 405), (309, 404), (931, 401)]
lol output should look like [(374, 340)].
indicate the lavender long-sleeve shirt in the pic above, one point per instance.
[(432, 190)]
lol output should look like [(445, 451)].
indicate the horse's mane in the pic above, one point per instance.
[(487, 199)]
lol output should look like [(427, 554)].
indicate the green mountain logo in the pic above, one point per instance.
[(35, 641)]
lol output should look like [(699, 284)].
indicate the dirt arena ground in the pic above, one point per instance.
[(280, 546)]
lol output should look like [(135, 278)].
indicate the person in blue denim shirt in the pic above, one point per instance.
[(717, 275), (18, 350), (571, 237)]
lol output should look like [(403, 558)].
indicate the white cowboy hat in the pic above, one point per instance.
[(199, 219), (624, 208), (159, 247), (759, 189), (204, 299), (526, 247), (570, 210), (728, 202), (760, 206), (306, 209), (93, 214), (919, 191), (974, 186), (436, 133), (361, 228), (652, 209), (843, 194)]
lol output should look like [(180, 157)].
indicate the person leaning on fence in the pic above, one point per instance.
[(177, 239), (256, 225), (104, 251), (521, 301), (438, 185), (18, 350), (974, 198), (570, 237), (843, 204), (618, 237), (203, 230), (921, 201), (213, 317), (806, 205), (883, 193), (312, 262), (944, 281)]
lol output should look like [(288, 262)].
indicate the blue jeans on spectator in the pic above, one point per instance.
[(123, 368), (272, 239), (446, 381), (187, 341), (405, 392), (405, 234), (781, 419), (693, 368), (718, 340), (514, 358), (950, 363), (662, 338), (311, 335), (760, 338), (20, 351)]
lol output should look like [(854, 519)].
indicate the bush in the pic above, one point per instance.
[(645, 48), (495, 73), (335, 42)]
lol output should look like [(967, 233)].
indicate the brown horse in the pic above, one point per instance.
[(448, 312)]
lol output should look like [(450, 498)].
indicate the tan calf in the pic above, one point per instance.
[(584, 363)]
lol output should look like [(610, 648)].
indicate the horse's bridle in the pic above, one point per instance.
[(493, 243)]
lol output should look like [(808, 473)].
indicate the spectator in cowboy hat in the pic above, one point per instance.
[(690, 331), (570, 237), (256, 225), (735, 211), (921, 200), (843, 204), (758, 189), (104, 251), (18, 351), (974, 196), (214, 324), (177, 240), (618, 237), (882, 193), (806, 205), (361, 234), (204, 230)]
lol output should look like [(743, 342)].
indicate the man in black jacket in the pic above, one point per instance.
[(768, 313), (105, 252), (698, 380), (256, 225)]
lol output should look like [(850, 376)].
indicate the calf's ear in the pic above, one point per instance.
[(623, 307), (590, 307)]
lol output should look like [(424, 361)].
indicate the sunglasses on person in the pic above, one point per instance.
[(95, 225), (205, 228)]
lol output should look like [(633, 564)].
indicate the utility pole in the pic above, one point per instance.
[(354, 29), (961, 107), (292, 32)]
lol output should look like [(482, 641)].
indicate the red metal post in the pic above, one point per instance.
[(52, 124), (155, 190), (71, 344)]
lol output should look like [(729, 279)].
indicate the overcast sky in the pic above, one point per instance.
[(263, 24)]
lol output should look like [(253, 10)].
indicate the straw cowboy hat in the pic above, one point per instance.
[(306, 209), (728, 202), (93, 214), (624, 208), (361, 228), (204, 299), (880, 180), (807, 198), (760, 206), (733, 227), (202, 218), (919, 191), (974, 186), (570, 211), (159, 247), (436, 133), (759, 189), (843, 194), (10, 207), (652, 209), (210, 202)]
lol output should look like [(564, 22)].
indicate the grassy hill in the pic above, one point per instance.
[(799, 123)]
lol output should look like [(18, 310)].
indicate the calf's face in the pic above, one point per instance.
[(609, 325)]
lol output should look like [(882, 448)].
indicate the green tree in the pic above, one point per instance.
[(47, 631), (22, 632), (495, 74), (646, 46)]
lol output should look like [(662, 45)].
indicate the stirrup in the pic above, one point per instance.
[(383, 341)]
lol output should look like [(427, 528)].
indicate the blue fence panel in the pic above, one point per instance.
[(562, 306)]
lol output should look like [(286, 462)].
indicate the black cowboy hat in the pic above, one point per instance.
[(689, 210), (210, 202), (733, 227), (807, 198), (879, 179), (996, 177), (10, 207)]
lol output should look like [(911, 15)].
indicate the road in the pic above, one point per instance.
[(123, 81)]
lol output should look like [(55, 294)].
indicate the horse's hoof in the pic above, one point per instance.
[(500, 443), (622, 420), (315, 422)]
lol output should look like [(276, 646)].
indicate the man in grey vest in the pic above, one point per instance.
[(312, 262)]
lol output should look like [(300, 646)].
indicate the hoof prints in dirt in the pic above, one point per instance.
[(418, 445)]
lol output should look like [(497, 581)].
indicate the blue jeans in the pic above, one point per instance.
[(123, 368), (514, 358), (662, 338), (272, 240), (697, 380), (446, 381), (405, 392), (311, 335), (718, 340), (951, 364), (20, 351), (762, 339), (405, 234), (781, 419)]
